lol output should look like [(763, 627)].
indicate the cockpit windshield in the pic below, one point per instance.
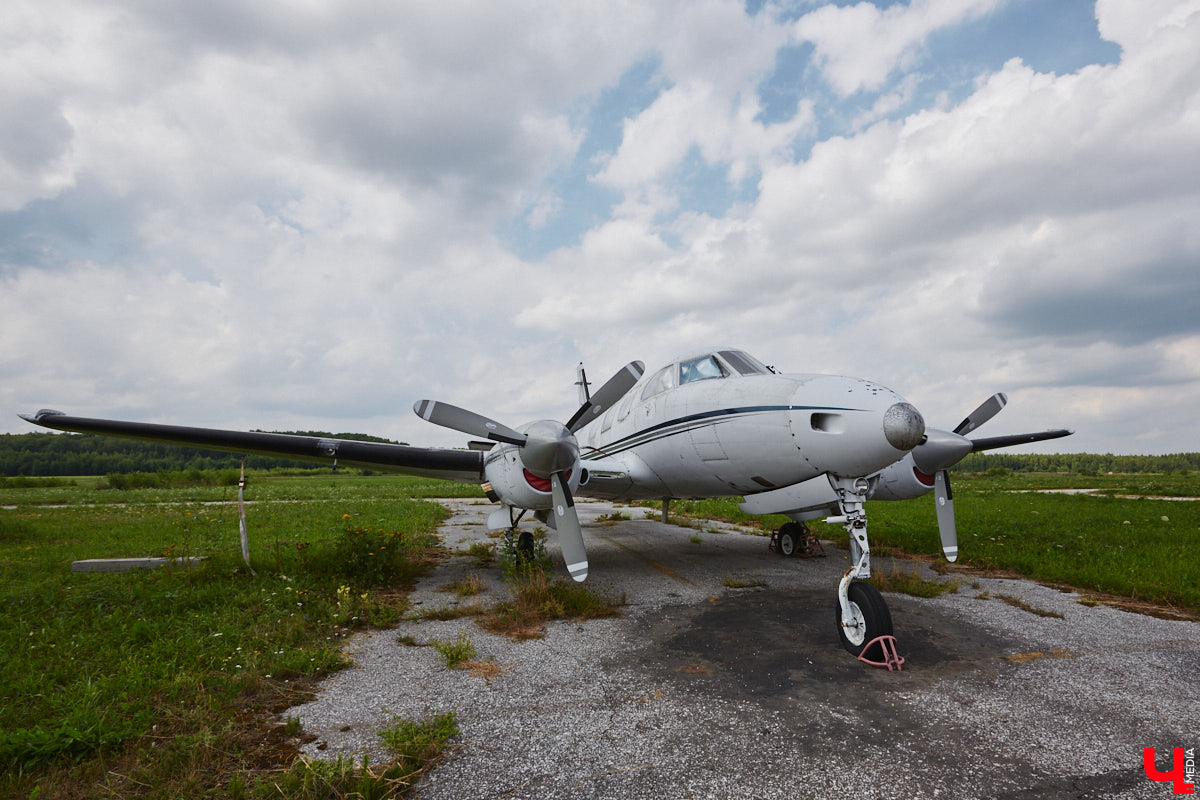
[(699, 369), (744, 363)]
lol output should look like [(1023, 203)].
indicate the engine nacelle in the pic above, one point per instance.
[(509, 482), (900, 481)]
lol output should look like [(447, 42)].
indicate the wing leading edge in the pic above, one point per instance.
[(457, 465)]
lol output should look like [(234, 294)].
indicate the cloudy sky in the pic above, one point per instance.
[(309, 215)]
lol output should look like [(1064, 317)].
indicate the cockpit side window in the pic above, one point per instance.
[(699, 369), (744, 363), (663, 379), (625, 406)]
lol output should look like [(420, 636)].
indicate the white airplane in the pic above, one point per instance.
[(716, 424)]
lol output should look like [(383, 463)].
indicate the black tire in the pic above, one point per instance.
[(525, 547), (876, 618), (789, 538)]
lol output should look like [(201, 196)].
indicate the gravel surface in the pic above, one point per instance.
[(700, 690)]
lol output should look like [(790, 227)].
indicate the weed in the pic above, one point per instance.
[(410, 641), (612, 519), (537, 600), (468, 586), (486, 669), (1017, 602), (483, 553), (416, 743), (910, 583), (456, 652), (446, 613), (292, 726), (414, 747), (695, 539), (743, 583)]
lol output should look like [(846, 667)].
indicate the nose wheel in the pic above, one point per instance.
[(869, 618)]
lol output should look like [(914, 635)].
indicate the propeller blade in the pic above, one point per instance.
[(1018, 438), (990, 408), (945, 514), (459, 419), (570, 536), (607, 395)]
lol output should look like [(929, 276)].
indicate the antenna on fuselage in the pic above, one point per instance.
[(581, 381)]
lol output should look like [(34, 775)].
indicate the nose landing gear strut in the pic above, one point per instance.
[(863, 620)]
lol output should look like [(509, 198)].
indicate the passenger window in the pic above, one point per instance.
[(663, 379), (700, 369), (608, 420)]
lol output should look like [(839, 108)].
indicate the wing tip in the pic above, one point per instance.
[(36, 419)]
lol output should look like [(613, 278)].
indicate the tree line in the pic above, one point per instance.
[(1078, 463), (51, 454)]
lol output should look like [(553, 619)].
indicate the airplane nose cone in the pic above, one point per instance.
[(903, 426)]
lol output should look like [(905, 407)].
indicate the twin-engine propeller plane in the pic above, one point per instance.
[(718, 423)]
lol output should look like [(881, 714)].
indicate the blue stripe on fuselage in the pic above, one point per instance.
[(691, 421)]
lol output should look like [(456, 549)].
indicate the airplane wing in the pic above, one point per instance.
[(456, 465)]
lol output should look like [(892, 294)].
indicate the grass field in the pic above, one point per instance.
[(166, 683), (162, 684)]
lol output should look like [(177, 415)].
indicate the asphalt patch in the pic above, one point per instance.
[(767, 643)]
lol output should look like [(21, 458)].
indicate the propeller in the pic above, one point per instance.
[(548, 450), (941, 450)]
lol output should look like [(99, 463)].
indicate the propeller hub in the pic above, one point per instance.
[(903, 426), (550, 448), (940, 450)]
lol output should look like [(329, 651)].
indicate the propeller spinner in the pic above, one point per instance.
[(548, 450)]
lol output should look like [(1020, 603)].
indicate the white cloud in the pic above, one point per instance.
[(237, 216), (858, 47)]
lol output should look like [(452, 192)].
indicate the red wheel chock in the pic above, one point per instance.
[(891, 656)]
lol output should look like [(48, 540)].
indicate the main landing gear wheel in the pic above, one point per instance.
[(871, 618), (787, 539)]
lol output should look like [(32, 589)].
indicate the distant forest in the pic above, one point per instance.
[(47, 454), (1078, 463), (50, 454)]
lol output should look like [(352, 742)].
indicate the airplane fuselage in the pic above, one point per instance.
[(738, 429)]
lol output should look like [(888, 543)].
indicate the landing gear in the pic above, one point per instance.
[(795, 539), (861, 614), (525, 548), (787, 538), (521, 544), (869, 618)]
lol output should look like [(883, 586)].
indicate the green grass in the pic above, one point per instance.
[(414, 745), (160, 683), (454, 652), (265, 485), (1082, 542)]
